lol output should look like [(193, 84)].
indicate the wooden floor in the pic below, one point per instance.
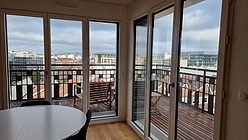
[(192, 124), (111, 131), (69, 102)]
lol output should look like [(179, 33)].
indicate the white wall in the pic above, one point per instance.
[(236, 111), (88, 9)]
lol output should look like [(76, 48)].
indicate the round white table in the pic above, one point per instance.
[(43, 122)]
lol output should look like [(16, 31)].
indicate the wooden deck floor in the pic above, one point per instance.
[(69, 102), (192, 124)]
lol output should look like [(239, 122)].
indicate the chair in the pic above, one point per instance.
[(81, 135), (35, 102), (100, 92)]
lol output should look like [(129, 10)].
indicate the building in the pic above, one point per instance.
[(200, 59), (231, 114), (103, 58), (23, 60)]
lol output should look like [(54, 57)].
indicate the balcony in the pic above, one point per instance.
[(196, 92)]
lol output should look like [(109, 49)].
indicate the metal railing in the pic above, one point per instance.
[(27, 81), (197, 87)]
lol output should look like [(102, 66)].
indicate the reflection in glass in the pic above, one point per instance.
[(103, 68), (25, 41), (198, 69), (160, 73), (139, 81), (66, 58)]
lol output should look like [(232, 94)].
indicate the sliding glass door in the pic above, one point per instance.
[(140, 70), (25, 45), (180, 61), (51, 59), (198, 69), (103, 67), (161, 73), (66, 59)]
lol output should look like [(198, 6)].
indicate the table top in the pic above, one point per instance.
[(43, 122)]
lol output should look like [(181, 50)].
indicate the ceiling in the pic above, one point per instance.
[(121, 2)]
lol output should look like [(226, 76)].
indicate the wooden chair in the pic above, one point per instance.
[(100, 92)]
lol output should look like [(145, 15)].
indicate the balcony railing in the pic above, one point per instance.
[(197, 87), (27, 81)]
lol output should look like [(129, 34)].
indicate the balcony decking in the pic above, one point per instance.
[(69, 102), (192, 124)]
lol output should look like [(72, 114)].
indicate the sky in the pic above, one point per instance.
[(26, 34), (200, 32), (200, 29)]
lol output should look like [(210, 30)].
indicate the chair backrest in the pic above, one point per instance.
[(82, 133), (99, 90), (34, 102)]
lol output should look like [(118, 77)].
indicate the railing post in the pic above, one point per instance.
[(210, 103), (29, 73), (180, 94), (203, 92), (189, 97), (56, 86), (19, 92), (69, 84), (78, 82), (152, 86), (19, 88), (196, 100), (162, 88), (30, 92)]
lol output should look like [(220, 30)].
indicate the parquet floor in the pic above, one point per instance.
[(111, 131)]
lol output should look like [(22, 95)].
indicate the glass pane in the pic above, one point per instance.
[(198, 69), (25, 41), (160, 74), (66, 60), (140, 49), (103, 68)]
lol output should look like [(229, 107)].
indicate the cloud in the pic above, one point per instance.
[(200, 32), (103, 37), (102, 41), (201, 26), (141, 40), (29, 36), (26, 34), (201, 40)]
